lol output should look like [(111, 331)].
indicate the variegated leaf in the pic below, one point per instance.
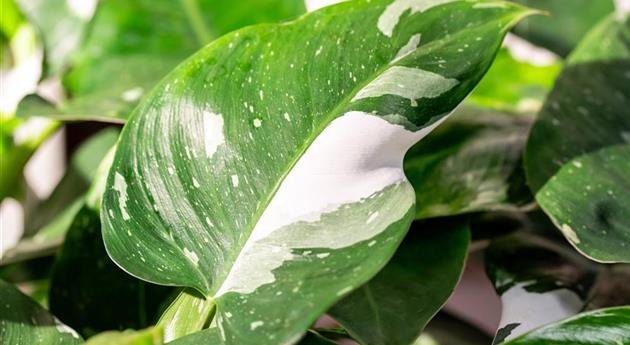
[(266, 171)]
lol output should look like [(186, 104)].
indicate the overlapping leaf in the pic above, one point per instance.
[(587, 111), (472, 163), (22, 321), (600, 327), (395, 305)]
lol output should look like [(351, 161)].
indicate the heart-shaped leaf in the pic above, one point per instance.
[(266, 170)]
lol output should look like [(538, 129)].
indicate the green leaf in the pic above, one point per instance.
[(23, 321), (267, 168), (149, 336), (514, 86), (589, 201), (139, 42), (395, 306), (601, 327), (567, 23), (585, 115), (471, 163), (188, 313), (539, 282), (62, 25)]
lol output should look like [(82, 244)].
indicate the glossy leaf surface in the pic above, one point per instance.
[(601, 327), (23, 321), (587, 111), (471, 163), (395, 305), (210, 181), (149, 336)]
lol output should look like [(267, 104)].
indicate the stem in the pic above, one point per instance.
[(191, 7)]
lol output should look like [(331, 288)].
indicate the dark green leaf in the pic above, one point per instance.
[(267, 169), (395, 306), (587, 111), (24, 322), (471, 163), (600, 327), (567, 23)]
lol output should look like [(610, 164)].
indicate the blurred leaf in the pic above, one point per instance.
[(149, 336), (24, 322), (395, 306), (62, 25), (600, 327), (139, 42), (514, 86), (471, 163), (567, 23), (83, 267), (445, 329), (587, 111)]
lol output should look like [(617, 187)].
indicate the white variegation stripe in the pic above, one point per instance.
[(356, 156), (412, 44), (407, 82), (390, 17), (532, 309)]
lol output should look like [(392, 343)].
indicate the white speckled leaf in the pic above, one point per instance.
[(266, 171)]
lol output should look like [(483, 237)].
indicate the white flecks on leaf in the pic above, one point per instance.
[(255, 324), (132, 95), (192, 256), (213, 132), (372, 217), (234, 180), (257, 122), (195, 182), (286, 117), (390, 17), (569, 233), (407, 82), (351, 165), (120, 185)]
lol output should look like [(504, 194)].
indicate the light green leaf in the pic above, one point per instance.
[(514, 86), (471, 163), (188, 313), (149, 336), (267, 168), (139, 41), (61, 24), (587, 112), (600, 327), (24, 322), (567, 23), (395, 306)]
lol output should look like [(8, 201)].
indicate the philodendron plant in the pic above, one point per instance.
[(321, 178)]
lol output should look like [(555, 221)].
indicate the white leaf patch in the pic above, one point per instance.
[(406, 82), (390, 17), (213, 132), (325, 188)]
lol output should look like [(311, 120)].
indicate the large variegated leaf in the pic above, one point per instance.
[(139, 41), (396, 305), (266, 170), (472, 163), (24, 322), (587, 111), (568, 21), (600, 327)]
